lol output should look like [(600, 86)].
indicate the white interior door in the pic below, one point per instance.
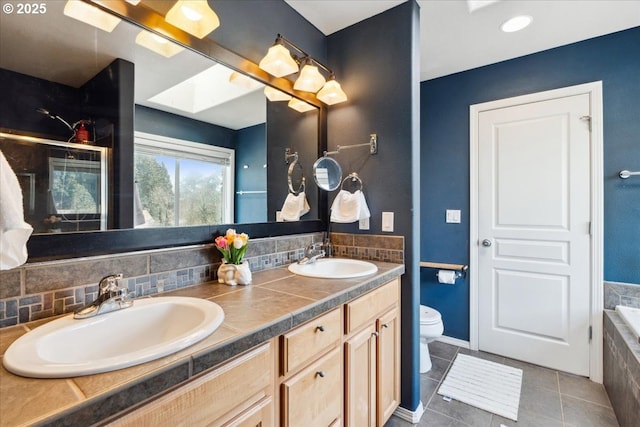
[(534, 232)]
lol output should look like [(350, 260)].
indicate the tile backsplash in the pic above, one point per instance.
[(616, 293), (40, 290)]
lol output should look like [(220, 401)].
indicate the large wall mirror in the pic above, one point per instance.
[(122, 146)]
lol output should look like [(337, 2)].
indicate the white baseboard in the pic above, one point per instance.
[(411, 416), (454, 341)]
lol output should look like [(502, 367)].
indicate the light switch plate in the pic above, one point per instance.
[(453, 216), (387, 221), (279, 216), (364, 224)]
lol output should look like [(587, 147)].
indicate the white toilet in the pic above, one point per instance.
[(431, 327)]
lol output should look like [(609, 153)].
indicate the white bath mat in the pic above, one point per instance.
[(487, 385)]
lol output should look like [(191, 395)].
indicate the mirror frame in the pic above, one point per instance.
[(44, 247)]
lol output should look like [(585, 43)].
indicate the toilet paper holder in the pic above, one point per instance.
[(460, 269)]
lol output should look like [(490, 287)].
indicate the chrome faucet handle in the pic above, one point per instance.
[(110, 283)]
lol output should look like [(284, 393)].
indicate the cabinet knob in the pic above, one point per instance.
[(375, 333), (320, 374), (384, 325), (320, 328)]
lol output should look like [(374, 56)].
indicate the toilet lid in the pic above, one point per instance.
[(429, 316)]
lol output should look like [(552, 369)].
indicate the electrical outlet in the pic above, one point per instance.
[(387, 221), (453, 216), (364, 224), (279, 216)]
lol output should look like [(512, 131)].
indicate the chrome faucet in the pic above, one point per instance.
[(111, 297), (312, 253)]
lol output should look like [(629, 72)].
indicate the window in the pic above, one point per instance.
[(180, 183)]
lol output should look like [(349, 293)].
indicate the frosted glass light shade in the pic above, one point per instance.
[(300, 105), (193, 16), (310, 79), (91, 15), (278, 62), (158, 44), (331, 93), (273, 94)]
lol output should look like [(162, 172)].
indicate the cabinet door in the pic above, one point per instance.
[(360, 377), (388, 365), (313, 397)]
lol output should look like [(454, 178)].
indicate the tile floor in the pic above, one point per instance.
[(548, 398)]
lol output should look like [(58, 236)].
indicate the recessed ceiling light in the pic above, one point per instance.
[(516, 23)]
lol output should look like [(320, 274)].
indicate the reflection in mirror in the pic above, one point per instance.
[(124, 94), (327, 173), (64, 185)]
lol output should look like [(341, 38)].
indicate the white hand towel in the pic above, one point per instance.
[(349, 207), (294, 207), (14, 232)]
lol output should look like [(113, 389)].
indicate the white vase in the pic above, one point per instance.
[(234, 274)]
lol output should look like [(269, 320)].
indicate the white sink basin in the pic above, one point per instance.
[(151, 328), (334, 268)]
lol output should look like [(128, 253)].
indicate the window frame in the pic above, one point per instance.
[(148, 143)]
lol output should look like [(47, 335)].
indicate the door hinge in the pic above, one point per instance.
[(587, 119), (590, 332), (590, 228)]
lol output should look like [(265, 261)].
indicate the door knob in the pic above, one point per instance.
[(486, 243)]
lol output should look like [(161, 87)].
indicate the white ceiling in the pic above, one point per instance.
[(453, 39)]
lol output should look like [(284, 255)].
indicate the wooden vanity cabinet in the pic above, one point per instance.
[(372, 356), (238, 393), (340, 368), (311, 373)]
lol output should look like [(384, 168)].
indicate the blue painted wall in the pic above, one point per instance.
[(377, 64), (614, 59), (252, 152)]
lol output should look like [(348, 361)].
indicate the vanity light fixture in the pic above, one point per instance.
[(274, 94), (516, 23), (244, 81), (300, 105), (158, 44), (280, 62), (193, 16), (91, 15), (331, 93)]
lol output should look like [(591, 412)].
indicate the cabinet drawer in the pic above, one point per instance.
[(259, 415), (241, 382), (310, 340), (366, 307), (313, 397)]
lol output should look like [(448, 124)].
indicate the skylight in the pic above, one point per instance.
[(205, 90)]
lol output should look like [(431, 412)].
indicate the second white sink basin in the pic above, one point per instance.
[(150, 329), (334, 268)]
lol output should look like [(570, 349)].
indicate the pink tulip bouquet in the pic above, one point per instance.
[(232, 246)]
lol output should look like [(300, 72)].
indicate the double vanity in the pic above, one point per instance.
[(291, 350)]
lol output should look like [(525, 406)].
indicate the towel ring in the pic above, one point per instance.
[(354, 178), (292, 168)]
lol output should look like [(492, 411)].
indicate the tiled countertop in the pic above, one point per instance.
[(276, 302)]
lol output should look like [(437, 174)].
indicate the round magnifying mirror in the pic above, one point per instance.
[(327, 173)]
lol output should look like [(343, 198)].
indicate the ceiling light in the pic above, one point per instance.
[(516, 23), (331, 93), (133, 2), (310, 79), (300, 105), (193, 16), (91, 15), (158, 44), (278, 61), (274, 94)]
